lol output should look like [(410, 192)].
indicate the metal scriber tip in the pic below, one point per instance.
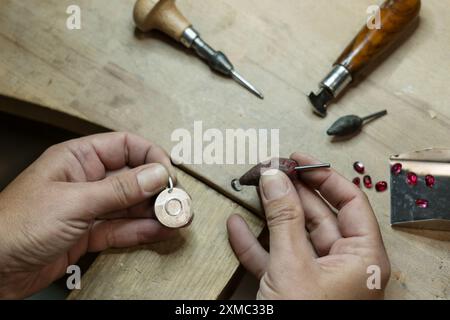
[(236, 76), (313, 167), (217, 60), (288, 166)]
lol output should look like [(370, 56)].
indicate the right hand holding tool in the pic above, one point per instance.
[(314, 253)]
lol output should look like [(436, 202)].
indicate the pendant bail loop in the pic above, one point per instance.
[(170, 185)]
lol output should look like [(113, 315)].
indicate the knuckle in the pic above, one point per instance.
[(80, 151), (246, 253), (122, 190), (281, 212), (143, 238), (54, 149), (110, 236), (70, 149), (362, 195)]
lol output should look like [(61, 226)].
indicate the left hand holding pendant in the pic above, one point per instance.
[(84, 195)]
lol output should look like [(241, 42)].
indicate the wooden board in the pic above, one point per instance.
[(107, 74)]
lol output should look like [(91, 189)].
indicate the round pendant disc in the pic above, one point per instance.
[(173, 208)]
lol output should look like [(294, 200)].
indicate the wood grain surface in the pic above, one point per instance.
[(121, 79), (396, 17)]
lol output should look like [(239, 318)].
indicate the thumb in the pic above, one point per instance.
[(123, 190), (285, 217)]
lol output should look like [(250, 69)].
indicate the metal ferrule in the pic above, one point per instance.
[(337, 80), (191, 39), (203, 49), (189, 36), (215, 59)]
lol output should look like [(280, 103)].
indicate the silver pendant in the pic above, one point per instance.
[(173, 207)]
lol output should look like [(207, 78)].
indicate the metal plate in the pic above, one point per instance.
[(404, 211)]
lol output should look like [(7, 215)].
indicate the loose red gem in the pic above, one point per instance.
[(381, 186), (397, 169), (430, 181), (368, 182), (412, 179), (357, 182), (422, 203), (359, 167)]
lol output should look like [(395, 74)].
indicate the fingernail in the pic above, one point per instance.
[(274, 184), (153, 178)]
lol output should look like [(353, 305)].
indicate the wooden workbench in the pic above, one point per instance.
[(112, 76)]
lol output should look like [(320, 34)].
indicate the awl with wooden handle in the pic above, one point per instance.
[(366, 48), (164, 16)]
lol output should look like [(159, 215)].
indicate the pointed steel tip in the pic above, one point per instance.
[(255, 92), (260, 95), (313, 167), (246, 84)]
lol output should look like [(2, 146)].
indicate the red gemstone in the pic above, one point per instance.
[(430, 181), (381, 186), (359, 167), (412, 179), (368, 182), (397, 169), (422, 203), (357, 182)]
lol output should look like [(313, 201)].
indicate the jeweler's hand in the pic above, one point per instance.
[(314, 253), (85, 195)]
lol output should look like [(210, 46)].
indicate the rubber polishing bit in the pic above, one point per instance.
[(352, 124)]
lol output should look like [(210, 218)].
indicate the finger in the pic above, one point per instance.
[(120, 191), (144, 209), (285, 218), (321, 222), (126, 233), (355, 217), (248, 250), (265, 237), (100, 153)]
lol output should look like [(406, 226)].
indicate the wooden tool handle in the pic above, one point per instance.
[(396, 16), (162, 15)]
